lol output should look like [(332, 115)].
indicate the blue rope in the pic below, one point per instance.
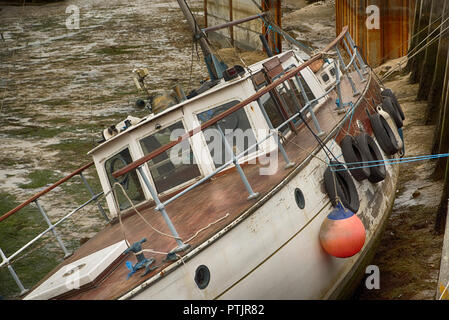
[(389, 161)]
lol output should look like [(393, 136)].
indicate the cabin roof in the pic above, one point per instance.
[(222, 84)]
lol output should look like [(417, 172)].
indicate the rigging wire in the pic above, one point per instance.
[(429, 43)]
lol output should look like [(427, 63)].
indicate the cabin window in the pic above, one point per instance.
[(291, 99), (307, 89), (236, 128), (273, 112), (176, 165), (325, 77), (129, 181)]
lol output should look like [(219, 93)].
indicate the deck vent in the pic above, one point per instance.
[(202, 276), (299, 198)]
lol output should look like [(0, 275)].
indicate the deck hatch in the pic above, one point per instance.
[(78, 273)]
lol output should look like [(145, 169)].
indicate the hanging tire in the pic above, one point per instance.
[(384, 135), (369, 147), (392, 125), (345, 187), (387, 105), (352, 153), (390, 93)]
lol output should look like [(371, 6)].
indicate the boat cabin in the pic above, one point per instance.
[(202, 154)]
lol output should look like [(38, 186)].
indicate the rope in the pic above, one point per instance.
[(138, 212), (390, 161), (414, 48), (429, 43), (188, 240), (275, 28), (160, 232), (444, 291)]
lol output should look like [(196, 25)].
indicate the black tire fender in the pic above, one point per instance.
[(387, 105), (368, 146), (345, 187), (390, 93), (352, 153), (384, 134)]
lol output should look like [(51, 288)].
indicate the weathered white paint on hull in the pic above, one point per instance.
[(274, 253)]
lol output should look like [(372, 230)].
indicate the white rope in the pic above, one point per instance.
[(444, 291), (188, 240), (140, 215), (415, 47), (437, 37), (160, 232)]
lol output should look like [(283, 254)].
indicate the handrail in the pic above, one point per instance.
[(212, 121), (274, 84), (6, 260), (39, 194)]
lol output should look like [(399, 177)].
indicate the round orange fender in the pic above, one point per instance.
[(342, 233)]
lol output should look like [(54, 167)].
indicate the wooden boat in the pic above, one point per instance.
[(191, 222)]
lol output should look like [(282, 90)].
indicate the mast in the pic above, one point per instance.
[(214, 66)]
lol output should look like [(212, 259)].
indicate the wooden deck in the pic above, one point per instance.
[(206, 204)]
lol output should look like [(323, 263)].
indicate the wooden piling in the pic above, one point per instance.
[(423, 25), (440, 64), (431, 68), (431, 51)]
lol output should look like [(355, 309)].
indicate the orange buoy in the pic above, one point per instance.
[(342, 233)]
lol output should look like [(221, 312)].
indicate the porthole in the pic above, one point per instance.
[(202, 276), (299, 198)]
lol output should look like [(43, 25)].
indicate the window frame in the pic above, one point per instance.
[(251, 121), (146, 167), (104, 171)]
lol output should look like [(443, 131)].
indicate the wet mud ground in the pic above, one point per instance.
[(409, 253), (59, 88)]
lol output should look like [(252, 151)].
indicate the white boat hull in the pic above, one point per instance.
[(274, 252)]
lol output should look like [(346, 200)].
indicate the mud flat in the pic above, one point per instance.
[(409, 253), (312, 24), (59, 88)]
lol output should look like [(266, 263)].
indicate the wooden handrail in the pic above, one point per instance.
[(274, 84), (37, 195)]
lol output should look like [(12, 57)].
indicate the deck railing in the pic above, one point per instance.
[(344, 40), (7, 261)]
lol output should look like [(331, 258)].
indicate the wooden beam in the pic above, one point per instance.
[(205, 13)]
